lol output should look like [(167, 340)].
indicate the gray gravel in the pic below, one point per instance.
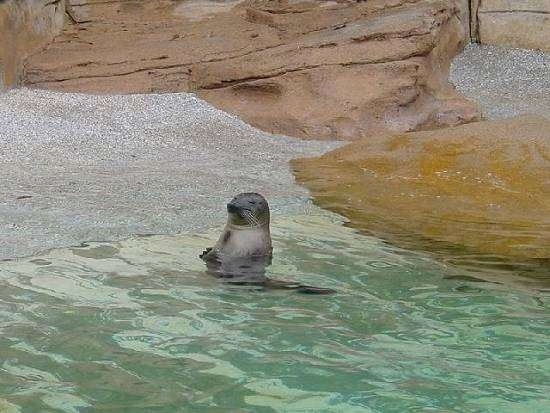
[(79, 167), (505, 82)]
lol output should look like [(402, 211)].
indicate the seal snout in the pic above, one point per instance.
[(232, 208)]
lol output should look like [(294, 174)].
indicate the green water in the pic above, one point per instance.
[(137, 326)]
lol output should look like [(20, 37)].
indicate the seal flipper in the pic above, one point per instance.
[(205, 252), (300, 288), (209, 255)]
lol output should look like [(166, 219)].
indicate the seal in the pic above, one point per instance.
[(244, 250)]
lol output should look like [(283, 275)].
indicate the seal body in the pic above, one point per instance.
[(244, 249), (241, 241)]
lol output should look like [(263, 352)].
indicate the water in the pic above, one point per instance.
[(136, 326)]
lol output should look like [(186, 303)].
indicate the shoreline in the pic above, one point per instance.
[(80, 167)]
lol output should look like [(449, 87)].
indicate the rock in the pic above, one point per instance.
[(516, 23), (314, 69), (473, 6), (26, 26), (478, 190)]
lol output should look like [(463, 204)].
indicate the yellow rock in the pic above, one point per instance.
[(481, 188)]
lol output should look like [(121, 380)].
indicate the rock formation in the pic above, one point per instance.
[(315, 69), (26, 26), (516, 23), (481, 189)]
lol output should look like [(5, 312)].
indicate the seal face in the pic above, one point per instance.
[(244, 249), (248, 209)]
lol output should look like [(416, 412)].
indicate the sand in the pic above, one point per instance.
[(80, 168)]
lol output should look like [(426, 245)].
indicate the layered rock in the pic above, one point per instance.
[(515, 23), (26, 26), (316, 69), (480, 190)]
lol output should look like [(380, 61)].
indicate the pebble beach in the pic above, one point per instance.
[(86, 167)]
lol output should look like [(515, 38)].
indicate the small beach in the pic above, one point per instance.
[(85, 167)]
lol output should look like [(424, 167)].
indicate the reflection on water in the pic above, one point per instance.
[(136, 326)]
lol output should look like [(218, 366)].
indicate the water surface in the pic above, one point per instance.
[(136, 326)]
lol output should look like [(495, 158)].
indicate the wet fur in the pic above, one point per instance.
[(243, 252)]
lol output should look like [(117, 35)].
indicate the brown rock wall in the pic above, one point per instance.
[(514, 23), (315, 69), (26, 26)]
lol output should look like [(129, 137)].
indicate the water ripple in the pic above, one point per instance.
[(138, 326)]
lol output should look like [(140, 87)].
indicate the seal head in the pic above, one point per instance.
[(248, 209)]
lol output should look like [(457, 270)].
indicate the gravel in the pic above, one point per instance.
[(82, 167), (505, 82)]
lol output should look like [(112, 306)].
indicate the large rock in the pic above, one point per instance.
[(26, 26), (515, 23), (481, 189), (313, 69)]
